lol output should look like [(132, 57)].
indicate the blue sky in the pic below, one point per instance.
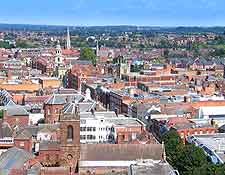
[(114, 12)]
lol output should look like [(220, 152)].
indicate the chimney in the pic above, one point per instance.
[(187, 99), (92, 111)]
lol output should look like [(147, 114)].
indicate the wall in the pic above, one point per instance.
[(25, 144), (51, 113), (16, 120)]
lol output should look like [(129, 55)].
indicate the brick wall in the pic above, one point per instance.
[(51, 113), (16, 120), (25, 144)]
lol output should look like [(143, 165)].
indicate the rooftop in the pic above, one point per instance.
[(14, 158), (213, 144), (151, 167), (125, 152)]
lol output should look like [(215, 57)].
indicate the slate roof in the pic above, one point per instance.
[(153, 169), (5, 130), (69, 108), (16, 110), (24, 134), (33, 130), (106, 114), (116, 152), (63, 99), (5, 98), (13, 158), (49, 145)]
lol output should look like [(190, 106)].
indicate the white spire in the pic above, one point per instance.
[(58, 45), (97, 49), (68, 43)]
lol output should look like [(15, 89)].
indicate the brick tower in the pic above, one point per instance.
[(70, 140)]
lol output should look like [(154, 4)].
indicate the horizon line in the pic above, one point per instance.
[(116, 25)]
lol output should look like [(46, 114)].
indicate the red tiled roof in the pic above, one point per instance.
[(70, 52), (177, 120), (36, 98)]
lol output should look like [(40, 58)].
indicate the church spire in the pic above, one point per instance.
[(68, 43), (97, 49)]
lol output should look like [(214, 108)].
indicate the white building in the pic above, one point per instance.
[(101, 127), (207, 114), (212, 144)]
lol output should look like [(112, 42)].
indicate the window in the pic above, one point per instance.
[(82, 128), (83, 137), (21, 144), (89, 129), (91, 137), (94, 128), (69, 133)]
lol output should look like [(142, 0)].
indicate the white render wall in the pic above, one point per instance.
[(33, 118), (101, 133)]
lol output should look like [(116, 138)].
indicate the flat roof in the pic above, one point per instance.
[(215, 142)]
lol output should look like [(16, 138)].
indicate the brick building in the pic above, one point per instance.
[(15, 115), (23, 140)]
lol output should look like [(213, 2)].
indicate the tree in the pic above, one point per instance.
[(23, 44), (88, 54), (218, 52), (166, 53), (189, 159), (4, 44), (173, 145), (1, 114)]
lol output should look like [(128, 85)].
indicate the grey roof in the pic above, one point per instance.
[(23, 134), (69, 108), (106, 114), (152, 169), (123, 121), (35, 170), (126, 152), (5, 98), (13, 158), (33, 130), (16, 110), (5, 130), (49, 145), (48, 127), (64, 98)]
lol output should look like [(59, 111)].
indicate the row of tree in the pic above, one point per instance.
[(188, 159)]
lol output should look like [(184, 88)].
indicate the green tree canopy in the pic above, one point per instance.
[(23, 44), (189, 159), (173, 144), (88, 54), (4, 44)]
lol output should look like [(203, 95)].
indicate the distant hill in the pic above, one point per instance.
[(114, 29)]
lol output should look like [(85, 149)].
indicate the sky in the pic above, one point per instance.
[(114, 12)]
